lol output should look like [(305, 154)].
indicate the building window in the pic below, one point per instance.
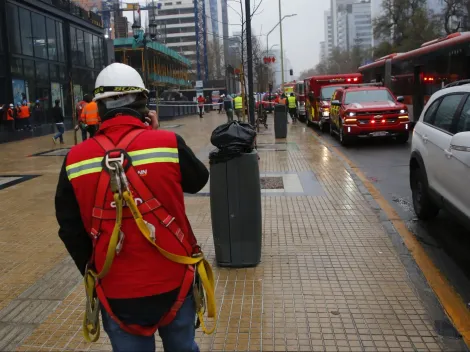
[(28, 66), (96, 51), (16, 67), (81, 48), (42, 72), (26, 36), (60, 41), (73, 44), (13, 29), (51, 39), (39, 35), (89, 50), (54, 72)]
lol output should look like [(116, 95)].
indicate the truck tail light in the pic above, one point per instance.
[(350, 120)]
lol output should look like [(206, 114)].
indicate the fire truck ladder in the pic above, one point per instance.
[(201, 40)]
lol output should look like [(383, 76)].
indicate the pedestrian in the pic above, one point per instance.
[(238, 105), (58, 118), (292, 105), (81, 125), (24, 116), (143, 291), (90, 117), (221, 103), (228, 107), (18, 122), (200, 102), (10, 117)]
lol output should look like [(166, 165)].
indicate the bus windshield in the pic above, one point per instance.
[(364, 96), (327, 92)]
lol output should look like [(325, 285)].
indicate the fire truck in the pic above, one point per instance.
[(318, 90), (299, 92), (289, 88)]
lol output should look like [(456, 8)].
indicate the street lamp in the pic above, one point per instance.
[(145, 39), (277, 24)]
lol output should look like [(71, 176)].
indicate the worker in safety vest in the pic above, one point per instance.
[(10, 117), (81, 125), (121, 214), (24, 116), (238, 106), (292, 105), (90, 116)]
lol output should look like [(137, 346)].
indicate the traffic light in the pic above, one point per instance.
[(291, 72)]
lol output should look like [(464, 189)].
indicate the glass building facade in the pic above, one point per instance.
[(47, 53)]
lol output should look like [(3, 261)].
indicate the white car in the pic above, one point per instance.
[(440, 154)]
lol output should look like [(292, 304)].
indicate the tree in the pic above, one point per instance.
[(455, 15), (406, 23)]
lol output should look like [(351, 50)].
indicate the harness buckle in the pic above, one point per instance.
[(108, 160)]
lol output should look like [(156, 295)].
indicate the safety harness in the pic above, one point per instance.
[(118, 172)]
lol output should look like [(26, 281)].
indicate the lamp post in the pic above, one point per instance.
[(282, 48), (141, 37)]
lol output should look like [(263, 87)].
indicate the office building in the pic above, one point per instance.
[(178, 18), (49, 52), (323, 56), (335, 7), (328, 23), (354, 27)]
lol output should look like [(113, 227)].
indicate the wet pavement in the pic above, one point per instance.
[(386, 165), (333, 275)]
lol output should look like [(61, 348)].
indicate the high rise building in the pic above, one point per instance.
[(178, 18), (354, 25), (323, 56), (329, 43), (335, 7)]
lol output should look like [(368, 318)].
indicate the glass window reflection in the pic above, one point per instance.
[(89, 50), (80, 48), (42, 72), (60, 42), (13, 29), (26, 37), (51, 39), (39, 35)]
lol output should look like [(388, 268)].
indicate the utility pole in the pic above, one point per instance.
[(282, 47), (249, 55)]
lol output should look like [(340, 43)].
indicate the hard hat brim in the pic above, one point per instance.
[(105, 95)]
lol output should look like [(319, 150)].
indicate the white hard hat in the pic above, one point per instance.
[(12, 106), (118, 79)]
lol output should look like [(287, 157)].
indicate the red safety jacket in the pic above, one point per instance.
[(152, 169)]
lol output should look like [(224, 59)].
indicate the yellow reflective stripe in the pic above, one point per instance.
[(84, 172), (84, 162), (155, 160), (153, 150)]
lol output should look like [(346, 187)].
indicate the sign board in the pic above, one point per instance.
[(199, 84)]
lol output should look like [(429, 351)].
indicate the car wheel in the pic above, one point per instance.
[(320, 125), (403, 138), (344, 140), (332, 132), (424, 206)]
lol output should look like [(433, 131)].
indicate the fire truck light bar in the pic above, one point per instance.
[(338, 80)]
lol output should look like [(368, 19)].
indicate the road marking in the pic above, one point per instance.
[(452, 302)]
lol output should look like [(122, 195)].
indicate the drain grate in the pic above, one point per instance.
[(272, 183), (53, 152)]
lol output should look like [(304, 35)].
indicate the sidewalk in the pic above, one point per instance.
[(330, 277)]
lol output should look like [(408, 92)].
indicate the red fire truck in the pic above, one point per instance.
[(299, 92), (318, 90)]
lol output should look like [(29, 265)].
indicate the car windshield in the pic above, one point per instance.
[(300, 88), (327, 92), (364, 96)]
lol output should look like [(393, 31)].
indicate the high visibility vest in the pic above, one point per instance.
[(90, 114), (139, 270), (238, 102), (10, 114), (291, 101), (23, 113)]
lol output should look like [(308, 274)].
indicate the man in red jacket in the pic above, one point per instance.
[(139, 288)]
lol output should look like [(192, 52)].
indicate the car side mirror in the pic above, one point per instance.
[(335, 103), (400, 99), (460, 147)]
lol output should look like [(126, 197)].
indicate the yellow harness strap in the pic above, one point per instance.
[(91, 325)]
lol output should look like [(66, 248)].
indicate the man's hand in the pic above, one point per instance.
[(152, 119)]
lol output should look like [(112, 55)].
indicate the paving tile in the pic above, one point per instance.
[(329, 280)]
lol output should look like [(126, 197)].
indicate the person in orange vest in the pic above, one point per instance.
[(10, 117), (24, 116), (90, 116), (134, 175), (79, 109)]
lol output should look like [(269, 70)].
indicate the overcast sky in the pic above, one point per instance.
[(301, 34)]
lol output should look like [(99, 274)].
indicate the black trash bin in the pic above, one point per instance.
[(280, 121), (235, 196)]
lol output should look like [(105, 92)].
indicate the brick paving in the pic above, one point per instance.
[(330, 278)]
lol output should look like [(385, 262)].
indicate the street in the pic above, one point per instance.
[(385, 163)]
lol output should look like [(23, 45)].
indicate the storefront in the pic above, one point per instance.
[(47, 53)]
